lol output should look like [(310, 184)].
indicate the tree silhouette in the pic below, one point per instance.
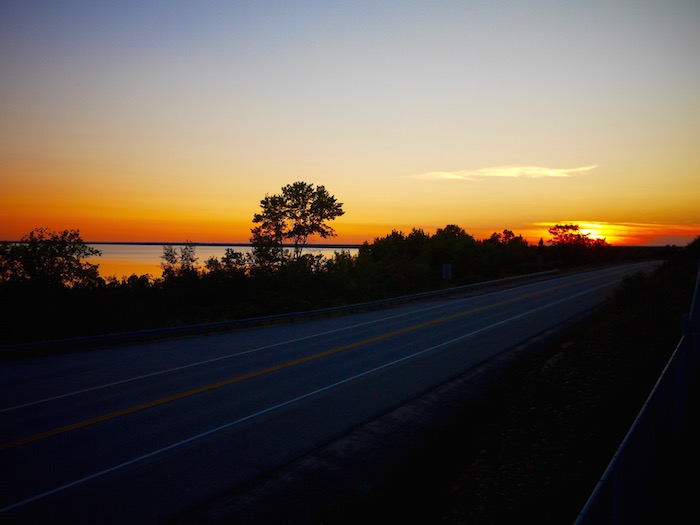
[(570, 234), (267, 238), (574, 245), (232, 262), (296, 214), (179, 263), (49, 258)]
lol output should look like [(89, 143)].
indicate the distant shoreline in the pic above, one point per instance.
[(222, 244), (239, 244), (315, 245)]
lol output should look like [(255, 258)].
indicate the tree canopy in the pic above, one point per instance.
[(49, 258), (45, 282), (179, 263), (296, 214), (570, 235)]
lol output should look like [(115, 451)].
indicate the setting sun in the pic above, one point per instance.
[(232, 232), (176, 133)]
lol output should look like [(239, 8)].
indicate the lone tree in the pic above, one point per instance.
[(296, 214), (48, 258)]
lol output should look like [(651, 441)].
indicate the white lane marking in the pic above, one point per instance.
[(215, 359), (238, 354), (287, 403), (281, 343)]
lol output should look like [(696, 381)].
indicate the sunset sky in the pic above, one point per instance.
[(170, 121)]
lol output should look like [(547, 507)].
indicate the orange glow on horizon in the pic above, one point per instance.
[(206, 230), (152, 136), (631, 234), (622, 234)]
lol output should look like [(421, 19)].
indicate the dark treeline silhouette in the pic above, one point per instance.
[(48, 292)]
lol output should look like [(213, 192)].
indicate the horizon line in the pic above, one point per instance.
[(286, 245), (179, 243)]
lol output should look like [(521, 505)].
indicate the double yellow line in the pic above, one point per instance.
[(257, 373)]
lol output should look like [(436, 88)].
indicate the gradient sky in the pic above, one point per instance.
[(169, 121)]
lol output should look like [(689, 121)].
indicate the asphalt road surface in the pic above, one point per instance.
[(140, 433)]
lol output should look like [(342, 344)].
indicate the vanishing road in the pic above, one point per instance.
[(139, 433)]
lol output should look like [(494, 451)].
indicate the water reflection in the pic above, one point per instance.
[(126, 259)]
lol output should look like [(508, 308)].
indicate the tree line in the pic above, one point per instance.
[(49, 291)]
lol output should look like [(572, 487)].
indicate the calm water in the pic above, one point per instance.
[(127, 259)]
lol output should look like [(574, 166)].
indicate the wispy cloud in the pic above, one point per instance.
[(530, 172)]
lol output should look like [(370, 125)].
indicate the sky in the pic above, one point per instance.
[(171, 120)]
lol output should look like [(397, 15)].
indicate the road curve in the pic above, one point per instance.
[(142, 432)]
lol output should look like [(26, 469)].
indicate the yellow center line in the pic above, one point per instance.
[(257, 373)]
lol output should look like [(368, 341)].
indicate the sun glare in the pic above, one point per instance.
[(631, 234), (619, 234), (594, 231)]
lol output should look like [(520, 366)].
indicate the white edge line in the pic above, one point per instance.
[(252, 350), (286, 403)]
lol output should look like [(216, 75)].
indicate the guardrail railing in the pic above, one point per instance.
[(112, 338), (628, 491)]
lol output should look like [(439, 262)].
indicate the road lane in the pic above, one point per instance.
[(227, 407)]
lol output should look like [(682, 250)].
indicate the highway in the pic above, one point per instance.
[(140, 433)]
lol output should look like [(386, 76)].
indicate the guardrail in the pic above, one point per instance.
[(634, 481), (22, 349)]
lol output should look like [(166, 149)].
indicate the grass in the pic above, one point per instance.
[(563, 418)]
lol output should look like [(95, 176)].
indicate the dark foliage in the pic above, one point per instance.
[(299, 212), (534, 446), (48, 292), (48, 259)]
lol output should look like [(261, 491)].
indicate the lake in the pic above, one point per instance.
[(126, 259)]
